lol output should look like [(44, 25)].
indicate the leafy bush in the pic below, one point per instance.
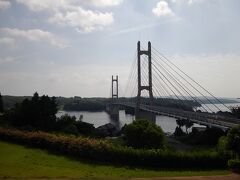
[(236, 111), (85, 128), (222, 147), (64, 121), (101, 150), (234, 164), (231, 143), (233, 140), (69, 125), (144, 134), (208, 137), (179, 132)]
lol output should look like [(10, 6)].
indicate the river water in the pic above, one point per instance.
[(168, 124)]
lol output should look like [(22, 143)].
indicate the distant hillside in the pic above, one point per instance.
[(10, 101), (222, 100), (73, 103), (98, 104)]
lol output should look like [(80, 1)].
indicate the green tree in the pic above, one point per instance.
[(184, 122), (188, 125), (230, 144), (1, 103), (144, 134), (236, 111), (233, 141), (39, 112)]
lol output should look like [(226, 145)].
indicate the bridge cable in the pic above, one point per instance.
[(192, 80), (130, 75), (158, 93), (179, 100), (178, 83), (190, 85)]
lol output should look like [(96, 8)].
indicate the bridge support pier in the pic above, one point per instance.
[(146, 115), (113, 111)]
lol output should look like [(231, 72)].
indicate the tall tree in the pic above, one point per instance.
[(1, 103), (38, 112)]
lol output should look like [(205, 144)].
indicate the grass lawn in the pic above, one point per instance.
[(17, 161)]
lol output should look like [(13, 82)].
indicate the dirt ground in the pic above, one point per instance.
[(226, 177)]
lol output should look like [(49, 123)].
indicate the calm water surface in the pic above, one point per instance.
[(168, 124)]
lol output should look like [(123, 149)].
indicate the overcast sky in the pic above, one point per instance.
[(72, 47)]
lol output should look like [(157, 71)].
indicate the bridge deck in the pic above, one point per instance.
[(203, 118)]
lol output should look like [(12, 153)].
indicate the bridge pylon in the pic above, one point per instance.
[(113, 108), (114, 94), (148, 87)]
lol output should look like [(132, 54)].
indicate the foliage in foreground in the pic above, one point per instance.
[(234, 164), (69, 125), (37, 113), (101, 150), (24, 163), (208, 137), (230, 145), (1, 103), (144, 134), (236, 111)]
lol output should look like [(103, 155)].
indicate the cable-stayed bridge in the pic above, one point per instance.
[(156, 86)]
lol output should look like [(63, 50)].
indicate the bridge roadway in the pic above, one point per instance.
[(202, 118)]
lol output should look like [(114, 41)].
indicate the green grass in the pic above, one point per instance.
[(17, 161)]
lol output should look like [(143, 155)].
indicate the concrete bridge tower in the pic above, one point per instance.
[(113, 109), (114, 94), (140, 114)]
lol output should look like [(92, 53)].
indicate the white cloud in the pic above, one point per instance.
[(5, 4), (70, 13), (103, 3), (162, 9), (7, 41), (84, 21), (189, 2), (8, 59), (36, 35), (43, 5)]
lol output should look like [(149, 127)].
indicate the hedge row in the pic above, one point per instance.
[(101, 150)]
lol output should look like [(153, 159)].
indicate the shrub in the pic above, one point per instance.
[(64, 121), (179, 132), (85, 128), (236, 111), (233, 140), (144, 134), (69, 125), (222, 147), (101, 150), (234, 164), (208, 137)]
